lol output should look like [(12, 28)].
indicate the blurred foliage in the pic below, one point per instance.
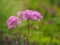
[(49, 26)]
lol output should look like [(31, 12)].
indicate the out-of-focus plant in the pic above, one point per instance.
[(27, 15)]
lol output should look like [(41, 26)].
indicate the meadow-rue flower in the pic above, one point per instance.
[(18, 13), (31, 15), (26, 15), (12, 21), (36, 15)]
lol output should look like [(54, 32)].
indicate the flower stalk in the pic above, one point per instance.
[(28, 33)]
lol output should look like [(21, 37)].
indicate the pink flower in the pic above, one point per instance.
[(36, 15), (31, 15), (12, 21), (18, 13), (26, 15)]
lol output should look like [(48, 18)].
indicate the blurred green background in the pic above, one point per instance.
[(47, 31)]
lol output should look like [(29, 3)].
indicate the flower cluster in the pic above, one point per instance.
[(31, 15), (12, 21), (26, 15)]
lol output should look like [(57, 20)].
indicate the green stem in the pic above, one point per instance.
[(18, 29), (19, 32), (28, 33)]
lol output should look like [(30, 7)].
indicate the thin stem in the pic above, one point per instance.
[(28, 33), (18, 29), (28, 27)]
